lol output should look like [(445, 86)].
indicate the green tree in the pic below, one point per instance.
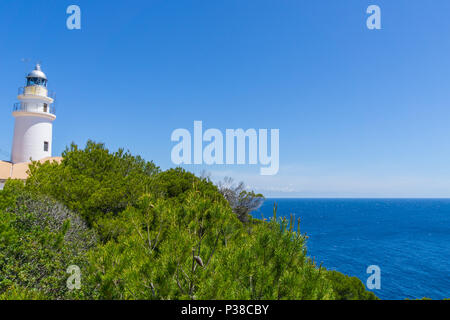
[(348, 288), (242, 201), (164, 235), (93, 181), (158, 256), (39, 239)]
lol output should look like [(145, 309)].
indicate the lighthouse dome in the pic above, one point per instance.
[(37, 73)]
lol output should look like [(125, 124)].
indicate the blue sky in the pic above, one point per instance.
[(361, 113)]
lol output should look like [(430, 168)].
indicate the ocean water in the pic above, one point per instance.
[(409, 239)]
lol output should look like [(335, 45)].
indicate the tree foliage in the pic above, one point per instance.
[(93, 181), (348, 288), (242, 201), (140, 233), (39, 239)]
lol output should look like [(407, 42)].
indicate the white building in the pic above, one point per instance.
[(34, 115)]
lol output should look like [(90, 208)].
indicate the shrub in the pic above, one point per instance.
[(348, 288), (164, 235), (93, 181), (39, 239)]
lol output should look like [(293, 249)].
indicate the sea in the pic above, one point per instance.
[(408, 239)]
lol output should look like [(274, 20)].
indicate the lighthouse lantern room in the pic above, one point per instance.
[(34, 115)]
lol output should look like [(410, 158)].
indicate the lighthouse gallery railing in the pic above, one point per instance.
[(37, 91), (20, 106)]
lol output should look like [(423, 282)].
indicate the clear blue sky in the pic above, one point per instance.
[(361, 113)]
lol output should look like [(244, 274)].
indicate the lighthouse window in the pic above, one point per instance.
[(45, 146), (45, 107), (36, 82)]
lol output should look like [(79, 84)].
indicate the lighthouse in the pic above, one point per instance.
[(34, 115)]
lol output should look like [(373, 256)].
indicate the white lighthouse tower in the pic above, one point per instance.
[(34, 115)]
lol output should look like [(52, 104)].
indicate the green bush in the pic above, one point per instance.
[(93, 181), (140, 233), (348, 288), (39, 239)]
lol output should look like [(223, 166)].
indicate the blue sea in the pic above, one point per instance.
[(409, 239)]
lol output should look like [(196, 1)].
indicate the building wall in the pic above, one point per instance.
[(30, 132)]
